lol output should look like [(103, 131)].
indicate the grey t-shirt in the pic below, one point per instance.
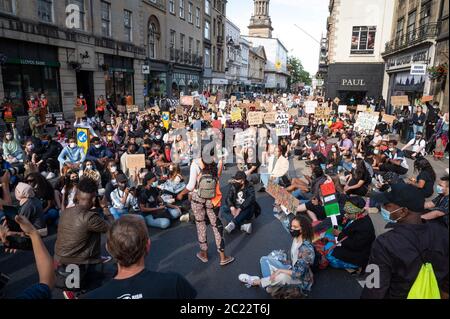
[(32, 210)]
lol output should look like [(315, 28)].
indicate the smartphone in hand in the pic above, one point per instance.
[(19, 242)]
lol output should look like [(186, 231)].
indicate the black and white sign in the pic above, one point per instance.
[(418, 69), (146, 69)]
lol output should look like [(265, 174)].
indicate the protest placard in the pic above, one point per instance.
[(187, 100), (121, 108), (255, 118), (337, 100), (427, 98), (361, 108), (179, 110), (310, 107), (293, 112), (283, 197), (322, 112), (399, 100), (222, 105), (282, 124), (178, 125), (79, 112), (236, 114), (233, 98), (270, 117), (342, 109), (303, 121), (212, 99), (389, 119), (135, 162), (367, 121), (245, 139), (132, 109)]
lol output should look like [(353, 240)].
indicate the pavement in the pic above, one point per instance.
[(174, 249)]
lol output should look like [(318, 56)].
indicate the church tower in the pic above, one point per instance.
[(260, 23)]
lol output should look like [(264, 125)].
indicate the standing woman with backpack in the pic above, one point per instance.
[(206, 197)]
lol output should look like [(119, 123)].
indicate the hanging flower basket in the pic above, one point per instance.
[(438, 72)]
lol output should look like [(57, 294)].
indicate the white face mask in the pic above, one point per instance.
[(89, 167), (354, 166), (72, 145), (98, 146), (376, 152), (113, 169), (334, 150)]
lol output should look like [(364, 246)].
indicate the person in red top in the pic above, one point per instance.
[(336, 126), (100, 107), (33, 104), (81, 102)]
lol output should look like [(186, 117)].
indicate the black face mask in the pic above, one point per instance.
[(295, 233)]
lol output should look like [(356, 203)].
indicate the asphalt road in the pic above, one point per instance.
[(174, 249)]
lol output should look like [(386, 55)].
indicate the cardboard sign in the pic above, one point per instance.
[(121, 108), (245, 139), (212, 99), (427, 98), (236, 114), (270, 118), (135, 162), (293, 112), (155, 108), (342, 109), (283, 197), (282, 124), (255, 118), (399, 100), (79, 112), (389, 119), (179, 110), (303, 121), (187, 100), (132, 109), (367, 121), (310, 107), (178, 125), (361, 108), (222, 105), (337, 100), (322, 112)]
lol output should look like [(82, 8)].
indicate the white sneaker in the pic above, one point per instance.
[(248, 280), (184, 218), (51, 175), (247, 228), (230, 227)]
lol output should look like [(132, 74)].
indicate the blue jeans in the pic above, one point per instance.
[(51, 216), (347, 166), (267, 263), (302, 196), (417, 128), (162, 223), (245, 215), (117, 213)]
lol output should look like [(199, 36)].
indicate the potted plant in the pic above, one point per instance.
[(438, 72)]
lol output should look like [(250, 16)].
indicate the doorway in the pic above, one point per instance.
[(352, 98), (85, 85)]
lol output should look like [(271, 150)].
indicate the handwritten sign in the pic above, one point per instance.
[(270, 117), (222, 105), (187, 100), (155, 108), (255, 118), (179, 110), (303, 121), (337, 100), (367, 121), (282, 124), (283, 197), (245, 139), (79, 112), (212, 99), (121, 108), (293, 112), (361, 108), (236, 114), (322, 112), (178, 125), (132, 109), (135, 162), (342, 109), (389, 119), (310, 107), (399, 100), (427, 98)]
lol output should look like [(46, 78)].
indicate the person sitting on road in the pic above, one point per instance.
[(418, 145), (396, 161), (72, 155), (12, 150), (438, 207), (426, 178), (128, 243), (279, 270), (241, 203), (31, 207), (98, 153), (123, 198)]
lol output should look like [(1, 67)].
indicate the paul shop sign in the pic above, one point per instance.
[(353, 82)]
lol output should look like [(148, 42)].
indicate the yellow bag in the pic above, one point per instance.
[(425, 286)]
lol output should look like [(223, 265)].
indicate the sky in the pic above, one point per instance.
[(285, 14)]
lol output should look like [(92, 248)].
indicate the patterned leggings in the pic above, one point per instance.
[(201, 209)]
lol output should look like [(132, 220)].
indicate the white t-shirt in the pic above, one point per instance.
[(294, 250), (418, 145)]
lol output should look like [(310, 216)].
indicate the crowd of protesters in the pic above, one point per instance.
[(50, 184)]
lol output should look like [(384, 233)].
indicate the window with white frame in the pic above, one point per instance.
[(208, 7), (152, 41), (45, 10), (7, 6), (207, 58), (363, 40), (207, 30), (172, 6), (197, 17), (190, 12), (182, 9), (106, 18), (128, 25), (80, 5), (182, 36), (172, 38), (191, 43)]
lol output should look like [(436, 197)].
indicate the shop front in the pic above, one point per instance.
[(30, 69), (185, 83), (218, 84), (119, 77), (352, 82)]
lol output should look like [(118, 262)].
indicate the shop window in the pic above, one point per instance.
[(363, 40)]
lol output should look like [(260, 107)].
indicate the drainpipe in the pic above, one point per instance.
[(92, 15)]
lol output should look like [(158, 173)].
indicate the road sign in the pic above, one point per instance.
[(83, 138), (146, 69)]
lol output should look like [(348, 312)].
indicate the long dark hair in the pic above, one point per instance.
[(42, 187), (307, 229), (423, 165), (360, 169)]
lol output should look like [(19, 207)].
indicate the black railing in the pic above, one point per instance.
[(421, 34)]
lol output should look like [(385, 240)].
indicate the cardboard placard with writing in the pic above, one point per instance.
[(293, 112), (222, 105), (342, 109), (187, 100), (337, 100), (389, 119), (79, 112), (179, 110), (178, 125), (236, 114), (283, 197), (255, 118), (135, 162), (310, 107), (270, 117), (322, 112), (427, 98), (132, 109), (303, 121), (282, 124), (156, 108), (399, 100), (212, 99), (361, 108), (366, 122)]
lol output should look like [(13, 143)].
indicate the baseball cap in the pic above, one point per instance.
[(405, 195)]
